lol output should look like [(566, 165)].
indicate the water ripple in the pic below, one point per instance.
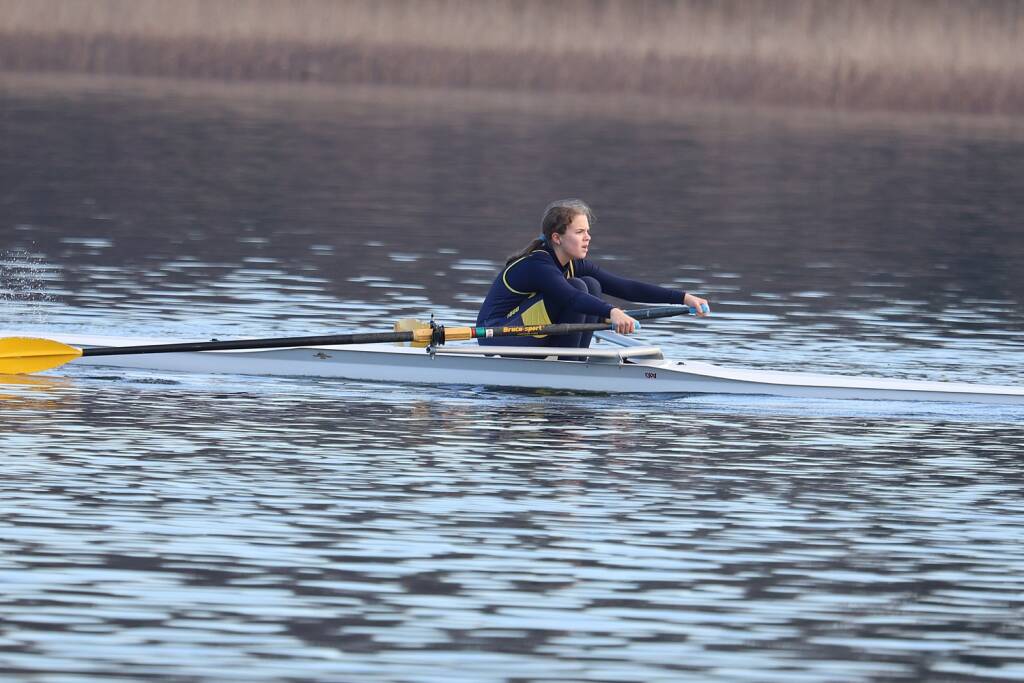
[(165, 527)]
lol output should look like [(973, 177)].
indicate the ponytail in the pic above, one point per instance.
[(535, 244)]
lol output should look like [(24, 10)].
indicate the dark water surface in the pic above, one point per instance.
[(165, 527)]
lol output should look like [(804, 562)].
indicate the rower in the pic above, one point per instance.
[(551, 281)]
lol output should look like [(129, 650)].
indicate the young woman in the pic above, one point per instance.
[(551, 281)]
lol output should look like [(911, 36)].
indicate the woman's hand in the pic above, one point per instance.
[(623, 323), (699, 305)]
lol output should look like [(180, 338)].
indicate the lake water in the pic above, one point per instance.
[(165, 527)]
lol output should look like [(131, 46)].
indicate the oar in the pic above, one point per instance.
[(23, 355), (663, 311)]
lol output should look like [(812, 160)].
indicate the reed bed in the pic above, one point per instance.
[(963, 55)]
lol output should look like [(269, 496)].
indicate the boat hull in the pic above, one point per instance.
[(642, 375)]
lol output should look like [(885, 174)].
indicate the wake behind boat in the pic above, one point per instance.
[(616, 364)]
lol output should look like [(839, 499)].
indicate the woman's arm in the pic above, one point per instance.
[(630, 290), (534, 275), (634, 290)]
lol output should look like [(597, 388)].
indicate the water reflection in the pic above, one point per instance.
[(170, 527), (558, 533), (34, 393)]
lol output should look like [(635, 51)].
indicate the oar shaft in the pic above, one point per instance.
[(557, 329), (271, 343), (465, 333), (659, 312)]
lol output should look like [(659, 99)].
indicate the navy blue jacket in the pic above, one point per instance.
[(539, 273)]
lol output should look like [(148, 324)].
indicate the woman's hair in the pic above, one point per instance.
[(557, 217)]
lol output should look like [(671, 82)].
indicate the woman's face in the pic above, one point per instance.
[(576, 240)]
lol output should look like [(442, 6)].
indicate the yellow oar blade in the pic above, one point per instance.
[(24, 355)]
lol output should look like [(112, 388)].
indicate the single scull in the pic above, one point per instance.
[(615, 365)]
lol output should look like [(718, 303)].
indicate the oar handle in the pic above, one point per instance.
[(663, 311)]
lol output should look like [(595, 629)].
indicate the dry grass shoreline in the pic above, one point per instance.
[(905, 55)]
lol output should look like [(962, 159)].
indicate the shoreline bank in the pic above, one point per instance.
[(895, 55)]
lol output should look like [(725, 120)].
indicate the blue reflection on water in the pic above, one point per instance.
[(188, 527)]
